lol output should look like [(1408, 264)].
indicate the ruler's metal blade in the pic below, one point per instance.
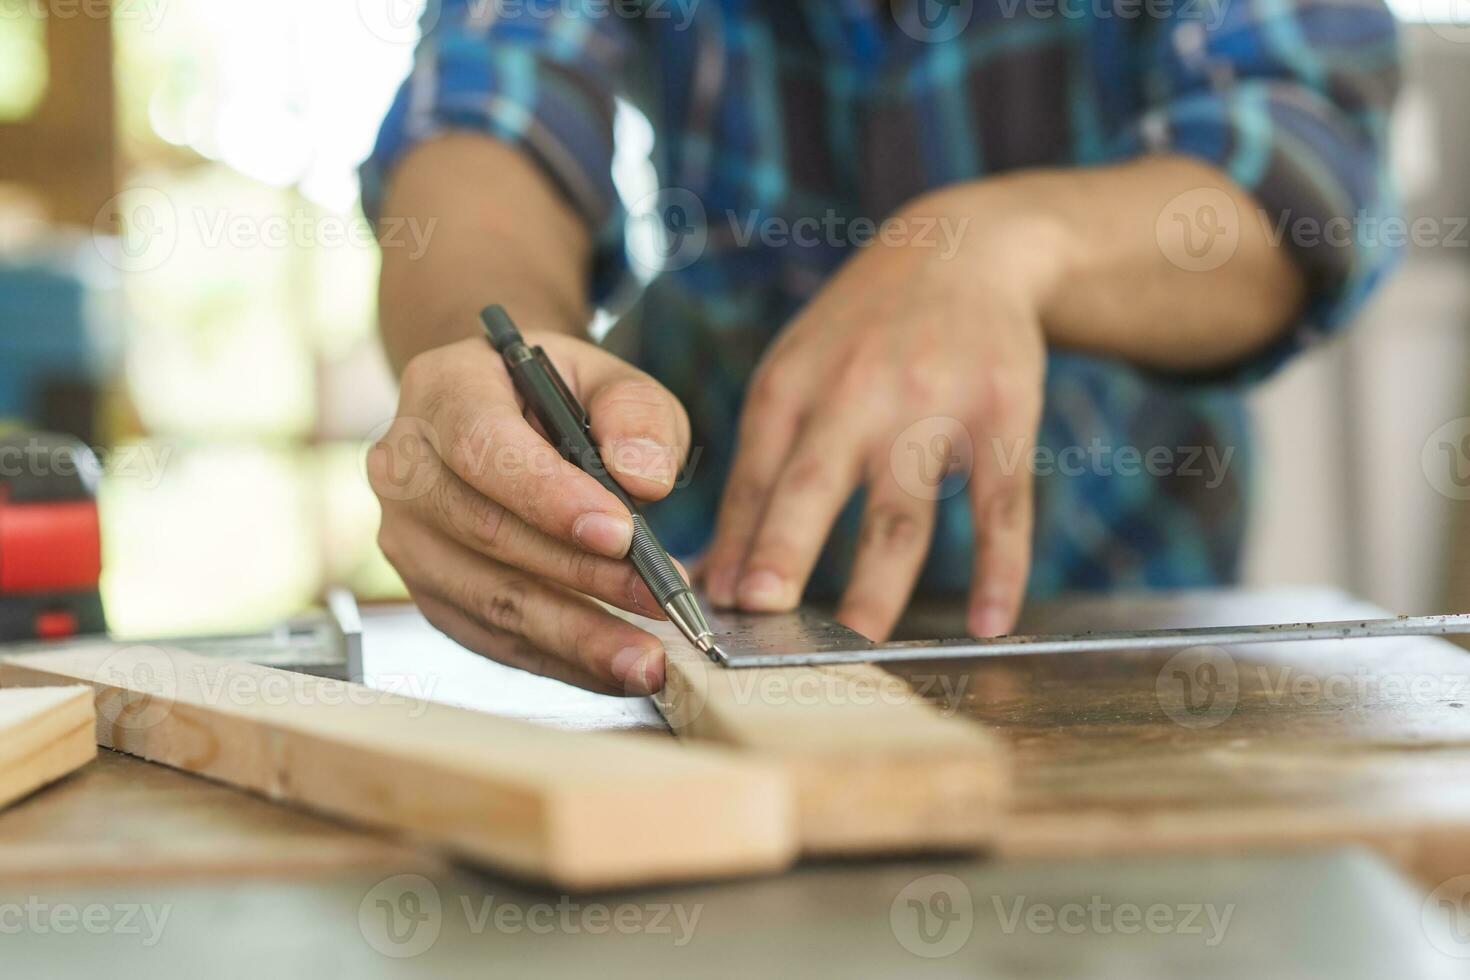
[(803, 638)]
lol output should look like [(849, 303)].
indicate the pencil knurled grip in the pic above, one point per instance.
[(663, 579)]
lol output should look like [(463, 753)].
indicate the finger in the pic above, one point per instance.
[(805, 500), (568, 626), (470, 403), (1002, 504), (895, 536), (767, 429), (505, 648), (639, 427), (454, 507)]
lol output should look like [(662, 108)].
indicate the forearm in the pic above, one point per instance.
[(496, 232), (1109, 279)]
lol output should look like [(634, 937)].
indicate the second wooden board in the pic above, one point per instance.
[(878, 767)]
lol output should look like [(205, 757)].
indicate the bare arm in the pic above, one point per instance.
[(1108, 250), (497, 231)]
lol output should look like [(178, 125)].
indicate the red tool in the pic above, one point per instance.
[(50, 543)]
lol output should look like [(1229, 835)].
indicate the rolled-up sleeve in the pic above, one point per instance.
[(1290, 98), (539, 75)]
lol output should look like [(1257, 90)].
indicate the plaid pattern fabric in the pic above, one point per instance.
[(768, 112)]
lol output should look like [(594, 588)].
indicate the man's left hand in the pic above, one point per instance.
[(914, 361)]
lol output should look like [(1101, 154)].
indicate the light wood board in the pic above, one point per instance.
[(122, 818), (45, 733), (877, 767), (579, 810)]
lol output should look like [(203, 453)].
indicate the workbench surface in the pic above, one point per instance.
[(1301, 746)]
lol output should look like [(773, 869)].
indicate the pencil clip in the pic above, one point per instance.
[(564, 391)]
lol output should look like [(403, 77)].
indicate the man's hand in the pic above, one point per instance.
[(499, 539), (908, 345), (908, 353)]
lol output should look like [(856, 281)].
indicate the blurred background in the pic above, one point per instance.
[(186, 282)]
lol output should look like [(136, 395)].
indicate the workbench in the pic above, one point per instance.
[(1321, 789)]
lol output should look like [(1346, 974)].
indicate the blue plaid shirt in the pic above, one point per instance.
[(770, 111)]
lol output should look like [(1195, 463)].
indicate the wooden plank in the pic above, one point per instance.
[(877, 767), (125, 819), (579, 810), (44, 734)]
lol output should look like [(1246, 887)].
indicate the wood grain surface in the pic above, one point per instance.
[(1361, 742), (581, 810), (45, 733), (877, 768), (1301, 745)]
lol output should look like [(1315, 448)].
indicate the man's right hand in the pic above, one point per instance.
[(499, 540)]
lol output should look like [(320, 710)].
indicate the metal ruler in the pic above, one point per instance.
[(805, 638)]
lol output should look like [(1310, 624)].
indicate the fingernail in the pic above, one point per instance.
[(766, 592), (990, 620), (640, 671), (646, 458), (604, 534)]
